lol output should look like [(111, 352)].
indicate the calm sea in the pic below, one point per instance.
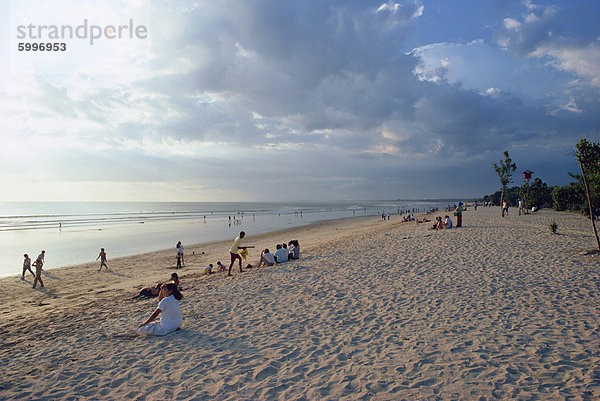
[(73, 233)]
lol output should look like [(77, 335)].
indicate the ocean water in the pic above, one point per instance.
[(73, 233)]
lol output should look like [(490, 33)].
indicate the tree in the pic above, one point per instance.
[(540, 194), (588, 156), (505, 170), (569, 197)]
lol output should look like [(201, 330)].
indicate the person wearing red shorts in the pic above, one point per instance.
[(237, 242)]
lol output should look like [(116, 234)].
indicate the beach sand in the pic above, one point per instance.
[(381, 310)]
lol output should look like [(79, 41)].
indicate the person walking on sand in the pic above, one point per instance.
[(180, 251), (102, 257), (39, 264), (233, 252), (504, 207), (178, 266), (40, 258), (521, 209), (27, 266)]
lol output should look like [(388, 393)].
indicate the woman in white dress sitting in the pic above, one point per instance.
[(168, 305)]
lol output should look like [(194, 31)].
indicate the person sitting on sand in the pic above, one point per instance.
[(102, 257), (447, 222), (438, 225), (266, 258), (168, 305), (281, 255), (155, 289), (221, 266), (208, 269), (294, 249), (27, 266), (175, 280)]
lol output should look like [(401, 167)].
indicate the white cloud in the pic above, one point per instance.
[(418, 12), (275, 90), (583, 61), (493, 92), (389, 6), (572, 107), (511, 24)]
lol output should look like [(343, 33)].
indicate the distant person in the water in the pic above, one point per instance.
[(102, 257), (27, 266)]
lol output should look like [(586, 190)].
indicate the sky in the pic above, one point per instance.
[(292, 100)]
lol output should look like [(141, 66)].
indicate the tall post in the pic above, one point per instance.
[(527, 201), (527, 174)]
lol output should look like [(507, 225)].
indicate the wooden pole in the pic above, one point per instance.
[(587, 192), (527, 204)]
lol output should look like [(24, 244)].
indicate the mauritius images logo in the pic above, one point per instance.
[(90, 32)]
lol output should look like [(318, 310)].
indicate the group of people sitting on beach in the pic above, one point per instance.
[(409, 217), (169, 293), (283, 254), (442, 225)]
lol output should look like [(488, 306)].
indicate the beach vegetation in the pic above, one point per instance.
[(505, 169), (588, 156), (510, 195), (553, 227), (569, 197), (540, 194)]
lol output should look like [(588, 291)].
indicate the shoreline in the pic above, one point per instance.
[(194, 246), (500, 308)]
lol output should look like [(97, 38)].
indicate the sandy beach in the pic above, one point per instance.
[(373, 310)]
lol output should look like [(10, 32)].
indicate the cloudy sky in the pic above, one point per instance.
[(294, 100)]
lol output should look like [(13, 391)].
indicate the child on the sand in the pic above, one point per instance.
[(102, 257), (27, 266), (221, 266), (208, 269), (168, 305)]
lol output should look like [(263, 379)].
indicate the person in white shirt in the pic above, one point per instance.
[(208, 269), (168, 305), (281, 255), (521, 208), (266, 258), (447, 222)]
